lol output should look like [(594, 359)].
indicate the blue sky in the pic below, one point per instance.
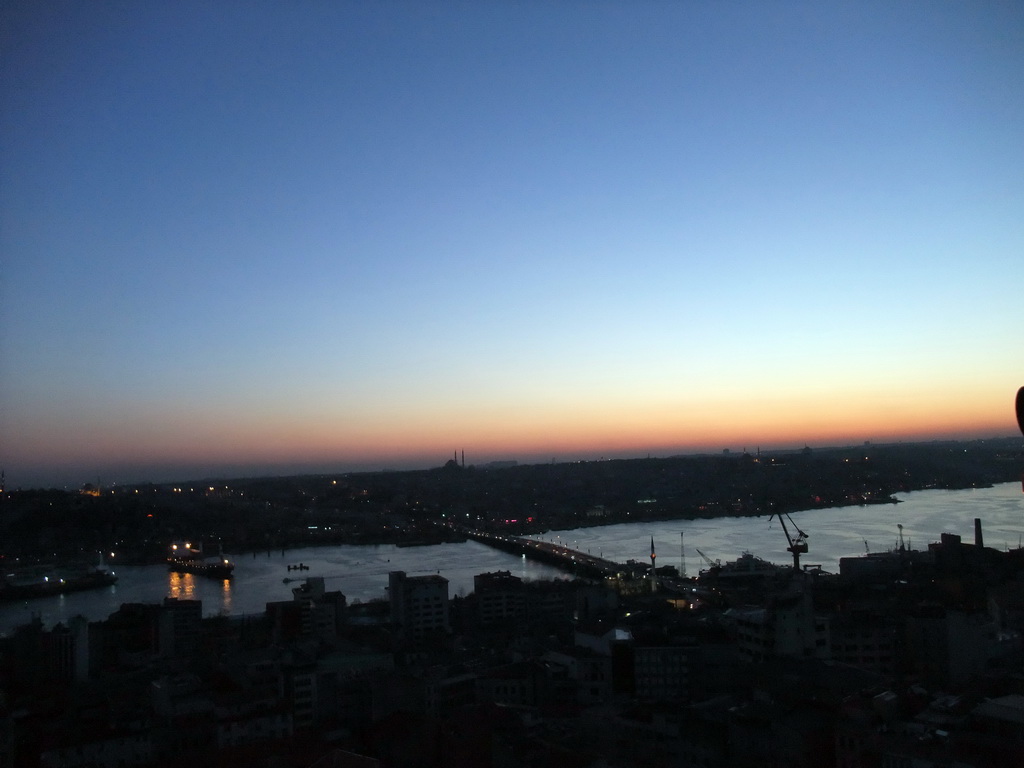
[(248, 236)]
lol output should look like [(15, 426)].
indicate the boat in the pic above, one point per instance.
[(747, 567), (186, 557), (43, 581)]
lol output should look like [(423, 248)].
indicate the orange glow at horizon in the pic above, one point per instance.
[(384, 243), (579, 429)]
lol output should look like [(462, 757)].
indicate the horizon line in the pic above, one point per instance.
[(280, 470)]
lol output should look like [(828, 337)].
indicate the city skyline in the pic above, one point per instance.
[(256, 239)]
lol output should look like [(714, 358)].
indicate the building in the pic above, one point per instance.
[(662, 672), (321, 612), (419, 604), (787, 627), (865, 639), (178, 626), (500, 597), (948, 647), (312, 612)]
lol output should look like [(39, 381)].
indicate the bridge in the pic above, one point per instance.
[(574, 561), (585, 564)]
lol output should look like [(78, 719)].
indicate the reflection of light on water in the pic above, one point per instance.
[(226, 595), (361, 572), (182, 585)]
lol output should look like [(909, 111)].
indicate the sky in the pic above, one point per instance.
[(268, 237)]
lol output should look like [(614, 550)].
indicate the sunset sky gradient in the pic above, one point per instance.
[(263, 237)]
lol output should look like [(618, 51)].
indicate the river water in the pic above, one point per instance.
[(361, 572)]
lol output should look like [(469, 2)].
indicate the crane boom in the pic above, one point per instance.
[(708, 560), (797, 544)]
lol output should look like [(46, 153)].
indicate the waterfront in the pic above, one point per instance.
[(833, 533), (360, 572)]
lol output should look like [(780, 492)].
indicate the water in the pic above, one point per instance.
[(832, 533), (361, 572)]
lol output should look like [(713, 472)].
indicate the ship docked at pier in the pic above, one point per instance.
[(186, 557), (46, 580)]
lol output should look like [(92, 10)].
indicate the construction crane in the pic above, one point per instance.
[(797, 545), (711, 563)]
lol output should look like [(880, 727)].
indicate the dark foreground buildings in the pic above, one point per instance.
[(906, 658)]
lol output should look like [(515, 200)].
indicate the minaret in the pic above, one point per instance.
[(654, 575)]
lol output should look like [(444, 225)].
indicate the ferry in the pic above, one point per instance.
[(186, 557), (43, 581)]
